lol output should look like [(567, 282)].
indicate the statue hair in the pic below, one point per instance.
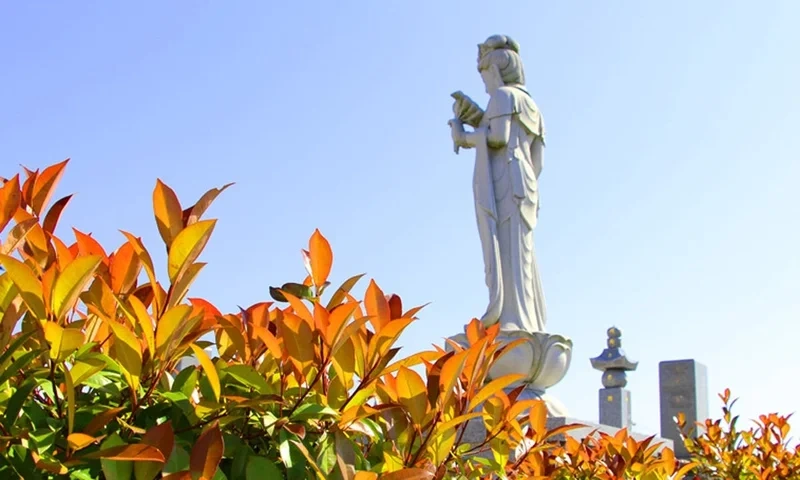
[(502, 51)]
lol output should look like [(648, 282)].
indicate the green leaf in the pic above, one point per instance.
[(291, 457), (241, 456), (298, 290), (249, 377), (44, 439), (17, 365), (326, 459), (16, 401), (276, 294), (22, 338), (186, 381), (22, 462), (115, 469), (178, 461), (259, 468), (313, 410)]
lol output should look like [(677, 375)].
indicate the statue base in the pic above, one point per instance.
[(475, 433), (542, 358)]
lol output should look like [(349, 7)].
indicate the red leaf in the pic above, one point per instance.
[(207, 453), (51, 219), (135, 453), (162, 437)]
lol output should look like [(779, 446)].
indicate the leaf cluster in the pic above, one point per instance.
[(306, 384)]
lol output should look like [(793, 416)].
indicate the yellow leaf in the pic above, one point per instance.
[(187, 247), (168, 212), (493, 387), (147, 262), (17, 235), (70, 283), (70, 401), (321, 258), (28, 285), (386, 337), (63, 341), (144, 321), (168, 324), (413, 394), (181, 287), (85, 368), (78, 441), (208, 368), (128, 352)]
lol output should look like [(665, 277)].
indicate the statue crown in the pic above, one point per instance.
[(497, 42)]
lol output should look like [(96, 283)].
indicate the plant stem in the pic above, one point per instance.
[(55, 388)]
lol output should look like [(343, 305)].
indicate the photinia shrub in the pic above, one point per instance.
[(308, 384)]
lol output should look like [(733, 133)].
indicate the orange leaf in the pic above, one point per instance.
[(493, 387), (538, 419), (168, 212), (78, 441), (210, 313), (298, 340), (321, 258), (269, 340), (377, 306), (300, 309), (451, 371), (45, 185), (88, 245), (364, 475), (147, 261), (10, 196), (134, 453), (412, 394), (409, 474), (202, 205), (207, 453), (124, 268)]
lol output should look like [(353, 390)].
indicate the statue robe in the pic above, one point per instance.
[(505, 186)]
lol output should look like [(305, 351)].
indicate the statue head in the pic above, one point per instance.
[(499, 62)]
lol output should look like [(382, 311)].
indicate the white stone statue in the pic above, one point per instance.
[(508, 138)]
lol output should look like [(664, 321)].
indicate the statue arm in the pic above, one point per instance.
[(498, 130)]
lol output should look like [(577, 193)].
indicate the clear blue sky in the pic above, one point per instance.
[(670, 199)]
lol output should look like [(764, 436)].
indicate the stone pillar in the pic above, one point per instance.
[(614, 400), (683, 386)]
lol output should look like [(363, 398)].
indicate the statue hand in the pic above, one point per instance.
[(457, 133)]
